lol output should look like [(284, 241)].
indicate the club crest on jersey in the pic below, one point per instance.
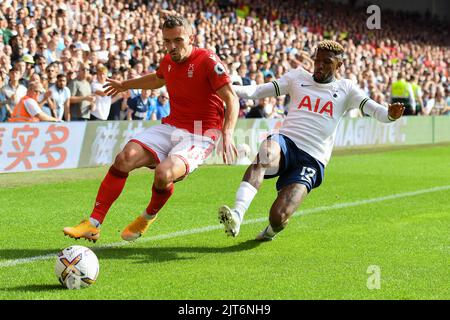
[(190, 72), (327, 107)]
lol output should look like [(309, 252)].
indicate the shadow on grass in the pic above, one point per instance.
[(37, 288), (140, 254), (164, 254)]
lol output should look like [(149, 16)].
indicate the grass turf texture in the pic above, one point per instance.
[(323, 255)]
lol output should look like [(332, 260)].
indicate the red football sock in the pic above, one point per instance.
[(159, 198), (110, 189)]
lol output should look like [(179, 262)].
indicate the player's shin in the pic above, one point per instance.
[(244, 197), (159, 199), (110, 189)]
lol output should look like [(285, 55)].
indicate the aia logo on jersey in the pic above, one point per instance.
[(190, 72), (318, 107)]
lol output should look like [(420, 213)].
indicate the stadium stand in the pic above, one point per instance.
[(258, 40)]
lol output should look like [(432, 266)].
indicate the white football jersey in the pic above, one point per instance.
[(315, 109)]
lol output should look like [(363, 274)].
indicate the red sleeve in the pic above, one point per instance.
[(162, 66), (216, 72)]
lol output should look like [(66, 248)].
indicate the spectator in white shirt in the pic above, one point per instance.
[(61, 98), (102, 101), (13, 91)]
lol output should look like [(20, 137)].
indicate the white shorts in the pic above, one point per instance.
[(163, 140)]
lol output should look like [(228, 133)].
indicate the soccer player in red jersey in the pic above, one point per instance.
[(198, 86)]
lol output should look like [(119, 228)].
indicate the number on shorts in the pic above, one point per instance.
[(307, 174)]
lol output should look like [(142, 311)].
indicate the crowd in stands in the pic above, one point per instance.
[(72, 46)]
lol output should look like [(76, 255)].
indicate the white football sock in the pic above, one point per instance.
[(147, 216), (95, 222), (244, 197)]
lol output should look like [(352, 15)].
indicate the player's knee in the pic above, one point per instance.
[(163, 175), (268, 155), (125, 160)]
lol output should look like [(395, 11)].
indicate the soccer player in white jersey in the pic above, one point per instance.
[(298, 154)]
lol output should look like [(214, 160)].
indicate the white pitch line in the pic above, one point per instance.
[(15, 262)]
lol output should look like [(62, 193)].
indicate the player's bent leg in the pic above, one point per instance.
[(166, 173), (267, 162), (288, 200), (268, 159), (132, 156), (169, 171)]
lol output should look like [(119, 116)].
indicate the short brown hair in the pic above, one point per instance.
[(173, 21)]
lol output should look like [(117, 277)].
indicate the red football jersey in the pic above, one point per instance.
[(192, 87)]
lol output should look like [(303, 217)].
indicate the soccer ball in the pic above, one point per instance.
[(76, 267)]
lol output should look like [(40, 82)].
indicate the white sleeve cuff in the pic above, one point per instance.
[(256, 91), (375, 110)]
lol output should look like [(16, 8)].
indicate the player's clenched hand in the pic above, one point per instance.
[(228, 149), (395, 110), (113, 87)]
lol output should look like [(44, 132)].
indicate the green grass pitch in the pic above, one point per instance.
[(386, 210)]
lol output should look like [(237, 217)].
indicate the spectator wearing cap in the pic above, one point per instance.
[(81, 98), (102, 100), (13, 91), (60, 98), (28, 64)]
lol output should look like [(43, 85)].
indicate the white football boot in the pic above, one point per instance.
[(230, 219)]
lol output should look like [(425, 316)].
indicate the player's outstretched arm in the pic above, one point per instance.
[(149, 81), (229, 150), (270, 89), (380, 112)]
